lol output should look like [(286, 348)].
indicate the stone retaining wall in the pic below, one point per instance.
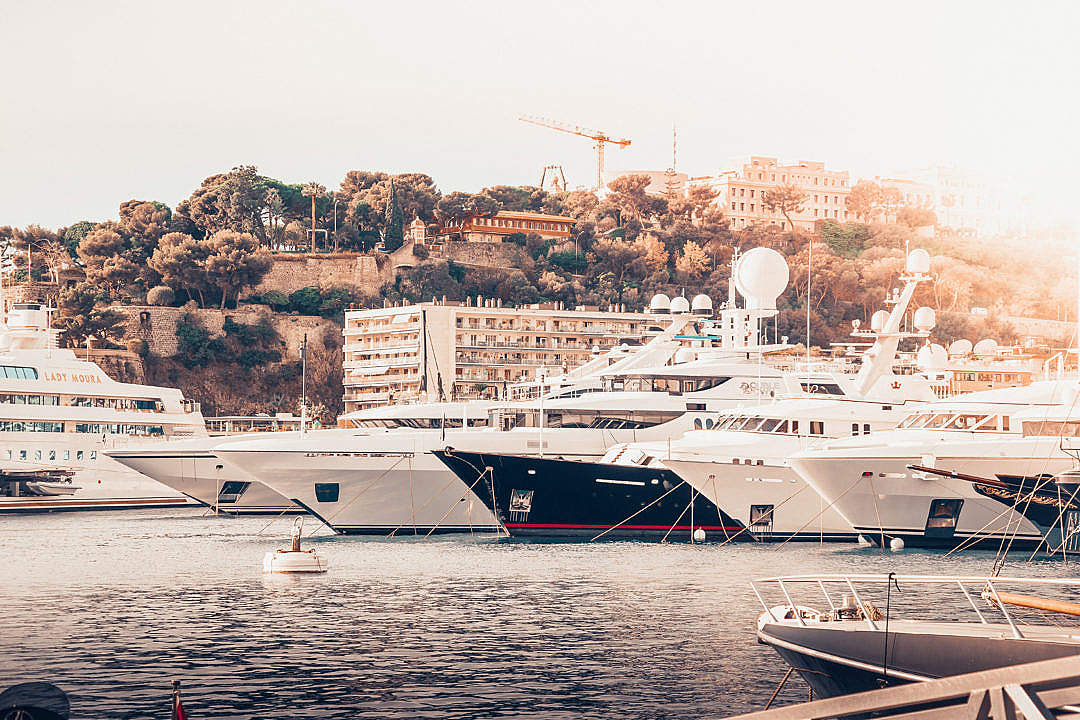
[(157, 325)]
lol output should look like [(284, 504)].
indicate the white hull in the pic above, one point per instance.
[(797, 511), (203, 477), (879, 495), (390, 481)]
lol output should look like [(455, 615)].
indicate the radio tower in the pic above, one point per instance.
[(671, 184)]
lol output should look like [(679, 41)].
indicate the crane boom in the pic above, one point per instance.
[(601, 138)]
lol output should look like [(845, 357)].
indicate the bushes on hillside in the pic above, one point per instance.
[(162, 295), (245, 345)]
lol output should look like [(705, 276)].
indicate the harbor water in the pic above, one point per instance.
[(112, 607)]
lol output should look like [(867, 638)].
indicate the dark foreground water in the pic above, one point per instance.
[(111, 607)]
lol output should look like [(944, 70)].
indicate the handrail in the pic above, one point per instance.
[(921, 579)]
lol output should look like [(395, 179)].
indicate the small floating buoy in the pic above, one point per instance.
[(699, 535), (864, 541), (896, 544), (294, 560)]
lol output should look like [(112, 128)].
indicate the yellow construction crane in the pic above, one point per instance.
[(601, 138)]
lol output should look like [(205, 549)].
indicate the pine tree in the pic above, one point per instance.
[(394, 234)]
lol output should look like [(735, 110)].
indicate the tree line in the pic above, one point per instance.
[(625, 246)]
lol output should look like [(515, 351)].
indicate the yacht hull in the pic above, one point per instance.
[(838, 658), (370, 493), (883, 498), (772, 500), (203, 477), (543, 497)]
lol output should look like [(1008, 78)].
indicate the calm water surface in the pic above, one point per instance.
[(112, 607)]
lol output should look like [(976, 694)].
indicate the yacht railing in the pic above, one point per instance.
[(990, 590)]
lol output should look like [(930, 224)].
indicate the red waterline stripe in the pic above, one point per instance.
[(567, 526)]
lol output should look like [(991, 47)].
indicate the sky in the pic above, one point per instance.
[(108, 101)]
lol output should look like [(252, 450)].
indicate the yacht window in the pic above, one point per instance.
[(939, 420), (19, 373), (37, 454), (912, 420), (753, 424), (817, 427), (327, 492), (965, 422), (67, 454), (769, 425), (794, 427), (93, 454), (866, 428), (78, 454), (854, 428), (709, 424), (782, 427), (52, 454), (822, 388), (697, 423), (1005, 423), (1052, 428), (22, 454)]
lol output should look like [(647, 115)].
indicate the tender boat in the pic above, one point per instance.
[(849, 633)]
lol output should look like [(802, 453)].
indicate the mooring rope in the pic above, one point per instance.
[(641, 510)]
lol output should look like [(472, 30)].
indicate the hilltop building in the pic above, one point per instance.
[(661, 182), (741, 192), (462, 351), (507, 222)]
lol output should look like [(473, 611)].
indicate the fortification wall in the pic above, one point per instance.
[(157, 325), (292, 272)]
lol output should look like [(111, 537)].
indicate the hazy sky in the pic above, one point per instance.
[(108, 101)]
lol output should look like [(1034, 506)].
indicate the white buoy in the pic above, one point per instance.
[(294, 560), (699, 535), (864, 541), (896, 544)]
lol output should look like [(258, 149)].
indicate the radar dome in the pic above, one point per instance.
[(986, 347), (918, 262), (660, 304), (878, 320), (680, 305), (925, 318), (760, 276), (959, 348), (701, 305)]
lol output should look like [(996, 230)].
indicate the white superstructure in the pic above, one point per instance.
[(59, 413)]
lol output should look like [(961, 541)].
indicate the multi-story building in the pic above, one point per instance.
[(508, 222), (449, 350), (744, 192)]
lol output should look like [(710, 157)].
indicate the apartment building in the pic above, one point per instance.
[(449, 350), (744, 193)]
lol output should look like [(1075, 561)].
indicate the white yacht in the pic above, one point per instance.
[(895, 484), (58, 416), (192, 468), (381, 483), (736, 461)]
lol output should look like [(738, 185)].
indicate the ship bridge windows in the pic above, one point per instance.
[(26, 426), (21, 399), (15, 372), (965, 422), (1052, 428), (119, 429), (756, 423), (674, 384)]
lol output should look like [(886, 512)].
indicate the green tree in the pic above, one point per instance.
[(234, 261), (864, 200), (628, 194), (786, 200), (179, 259), (459, 206), (394, 232), (82, 315)]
